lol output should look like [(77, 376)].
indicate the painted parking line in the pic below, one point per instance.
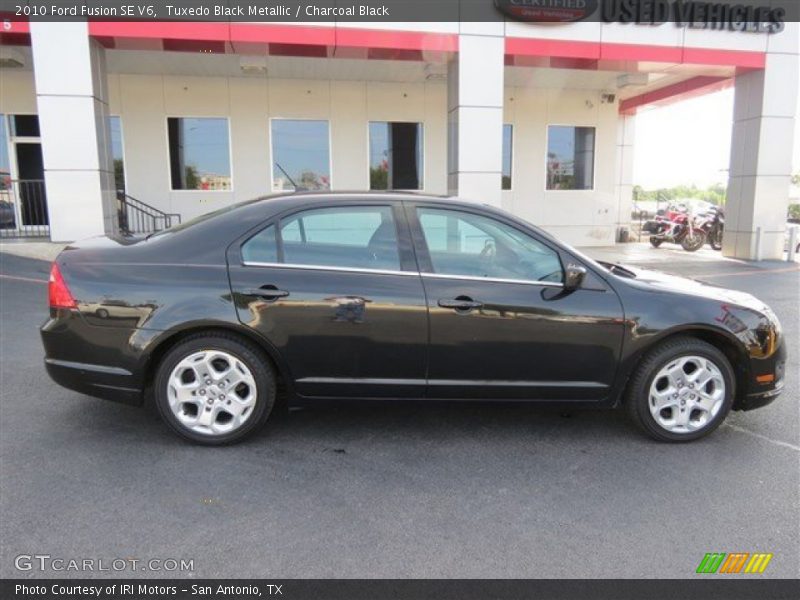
[(751, 272), (18, 278)]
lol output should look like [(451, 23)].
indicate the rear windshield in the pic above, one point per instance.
[(202, 218)]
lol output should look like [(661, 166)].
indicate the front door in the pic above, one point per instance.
[(501, 324), (336, 291)]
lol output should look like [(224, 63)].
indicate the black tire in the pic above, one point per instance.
[(715, 239), (693, 245), (252, 357), (655, 242), (638, 391)]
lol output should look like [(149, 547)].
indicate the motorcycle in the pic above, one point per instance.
[(677, 228), (713, 224)]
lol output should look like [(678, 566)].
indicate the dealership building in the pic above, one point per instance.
[(183, 118)]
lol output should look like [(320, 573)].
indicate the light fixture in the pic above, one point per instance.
[(631, 79), (253, 65)]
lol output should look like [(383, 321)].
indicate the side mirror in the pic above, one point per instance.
[(573, 277)]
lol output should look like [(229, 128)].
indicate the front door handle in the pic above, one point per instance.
[(460, 303), (268, 292)]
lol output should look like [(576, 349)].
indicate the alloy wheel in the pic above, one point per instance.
[(686, 394), (211, 392)]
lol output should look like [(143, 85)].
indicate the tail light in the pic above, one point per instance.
[(60, 296)]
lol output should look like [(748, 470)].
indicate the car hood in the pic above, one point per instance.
[(659, 281)]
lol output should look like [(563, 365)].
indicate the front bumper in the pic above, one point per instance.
[(760, 393)]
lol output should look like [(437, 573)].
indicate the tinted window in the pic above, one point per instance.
[(471, 245), (25, 125), (262, 247), (508, 138), (395, 156), (199, 154), (300, 155), (115, 134), (348, 237), (570, 158)]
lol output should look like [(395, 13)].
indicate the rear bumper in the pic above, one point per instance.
[(109, 383), (97, 361)]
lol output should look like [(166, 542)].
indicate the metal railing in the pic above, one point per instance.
[(136, 216), (23, 208)]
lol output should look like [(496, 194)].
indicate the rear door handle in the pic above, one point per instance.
[(268, 292), (460, 303)]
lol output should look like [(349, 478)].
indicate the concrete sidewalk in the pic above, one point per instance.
[(39, 250)]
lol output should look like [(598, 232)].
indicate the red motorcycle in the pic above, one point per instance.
[(678, 228)]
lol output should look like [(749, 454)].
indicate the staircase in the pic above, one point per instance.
[(136, 216)]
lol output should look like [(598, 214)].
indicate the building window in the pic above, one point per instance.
[(395, 156), (360, 237), (115, 135), (25, 126), (570, 158), (199, 154), (300, 155), (508, 140)]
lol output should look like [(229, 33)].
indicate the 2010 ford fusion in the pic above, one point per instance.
[(395, 296)]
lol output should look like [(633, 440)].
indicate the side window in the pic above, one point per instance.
[(361, 237), (262, 247), (470, 245)]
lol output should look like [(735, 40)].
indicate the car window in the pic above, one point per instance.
[(466, 244), (262, 247), (362, 237)]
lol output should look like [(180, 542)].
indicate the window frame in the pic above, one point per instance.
[(423, 127), (169, 156), (424, 257), (405, 252), (594, 157), (270, 143)]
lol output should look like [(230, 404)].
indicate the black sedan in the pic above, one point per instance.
[(395, 296)]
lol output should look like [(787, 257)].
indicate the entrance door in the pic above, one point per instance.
[(30, 187)]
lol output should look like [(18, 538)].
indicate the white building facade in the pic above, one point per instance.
[(538, 119)]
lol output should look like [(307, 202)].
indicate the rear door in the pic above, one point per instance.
[(335, 288), (501, 324)]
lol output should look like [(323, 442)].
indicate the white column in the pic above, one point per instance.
[(762, 146), (72, 98), (475, 114), (623, 184)]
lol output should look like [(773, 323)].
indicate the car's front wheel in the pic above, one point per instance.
[(681, 391), (214, 388)]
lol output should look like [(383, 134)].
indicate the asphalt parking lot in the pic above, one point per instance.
[(395, 491)]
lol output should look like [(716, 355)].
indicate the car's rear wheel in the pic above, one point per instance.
[(214, 388), (681, 391)]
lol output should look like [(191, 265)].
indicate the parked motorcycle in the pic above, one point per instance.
[(677, 228), (713, 223)]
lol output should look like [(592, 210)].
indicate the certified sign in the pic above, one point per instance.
[(547, 11)]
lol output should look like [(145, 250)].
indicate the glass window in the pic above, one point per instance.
[(507, 147), (262, 247), (471, 245), (300, 155), (115, 133), (395, 156), (199, 154), (25, 126), (570, 158), (5, 162), (363, 237)]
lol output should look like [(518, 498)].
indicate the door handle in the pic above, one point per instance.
[(268, 292), (461, 303)]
